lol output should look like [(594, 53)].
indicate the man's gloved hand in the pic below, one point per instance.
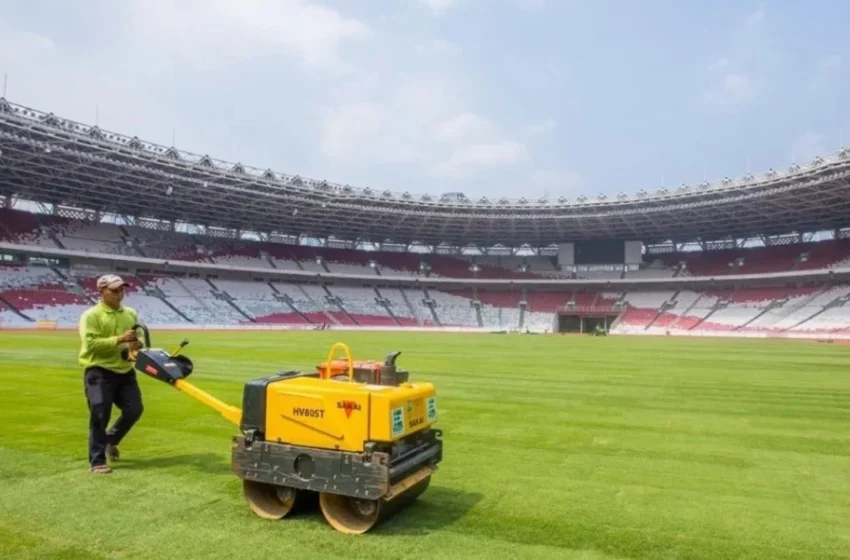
[(129, 336), (128, 347)]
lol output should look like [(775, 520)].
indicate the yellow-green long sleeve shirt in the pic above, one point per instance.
[(100, 327)]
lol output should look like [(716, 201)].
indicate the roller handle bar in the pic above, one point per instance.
[(146, 336), (145, 333), (231, 413)]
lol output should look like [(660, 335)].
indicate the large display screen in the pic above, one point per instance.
[(600, 252)]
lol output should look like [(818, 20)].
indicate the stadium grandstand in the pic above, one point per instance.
[(210, 244)]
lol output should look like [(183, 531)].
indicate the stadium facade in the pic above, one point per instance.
[(206, 242)]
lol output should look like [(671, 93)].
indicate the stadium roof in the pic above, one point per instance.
[(58, 161)]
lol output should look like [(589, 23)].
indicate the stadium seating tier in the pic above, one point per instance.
[(36, 293)]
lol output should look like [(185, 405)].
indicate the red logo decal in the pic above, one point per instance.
[(348, 407)]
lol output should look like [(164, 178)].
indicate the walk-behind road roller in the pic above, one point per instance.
[(355, 436)]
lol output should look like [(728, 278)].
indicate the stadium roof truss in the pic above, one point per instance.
[(60, 162)]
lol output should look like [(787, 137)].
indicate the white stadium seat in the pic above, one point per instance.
[(40, 293)]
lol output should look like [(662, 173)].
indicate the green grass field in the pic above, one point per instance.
[(556, 447)]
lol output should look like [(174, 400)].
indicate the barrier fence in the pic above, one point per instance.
[(53, 325), (56, 326), (733, 334)]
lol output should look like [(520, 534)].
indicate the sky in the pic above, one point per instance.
[(495, 98)]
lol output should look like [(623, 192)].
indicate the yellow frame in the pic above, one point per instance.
[(347, 355)]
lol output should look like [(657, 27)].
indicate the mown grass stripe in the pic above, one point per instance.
[(556, 447)]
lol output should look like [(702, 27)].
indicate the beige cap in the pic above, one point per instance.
[(111, 281)]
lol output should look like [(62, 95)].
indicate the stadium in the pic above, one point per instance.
[(206, 243), (710, 424)]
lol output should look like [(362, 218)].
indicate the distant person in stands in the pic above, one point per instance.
[(105, 333)]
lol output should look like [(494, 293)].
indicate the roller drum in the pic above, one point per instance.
[(270, 501), (357, 516)]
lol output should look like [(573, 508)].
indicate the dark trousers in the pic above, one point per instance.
[(104, 389)]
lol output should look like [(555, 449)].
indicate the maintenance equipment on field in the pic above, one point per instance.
[(375, 373), (357, 434)]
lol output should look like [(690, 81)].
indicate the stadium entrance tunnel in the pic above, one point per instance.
[(597, 323)]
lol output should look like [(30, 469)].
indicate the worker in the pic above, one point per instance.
[(105, 334)]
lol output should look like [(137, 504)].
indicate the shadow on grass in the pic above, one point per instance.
[(207, 463), (434, 510), (438, 507)]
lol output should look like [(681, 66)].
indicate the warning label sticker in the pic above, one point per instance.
[(432, 408), (397, 421)]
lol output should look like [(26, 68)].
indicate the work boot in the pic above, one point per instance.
[(112, 452)]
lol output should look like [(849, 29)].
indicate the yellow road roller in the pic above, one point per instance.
[(357, 437)]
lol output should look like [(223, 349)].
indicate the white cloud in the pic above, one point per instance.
[(720, 65), (827, 70), (806, 146), (465, 128), (530, 4), (755, 18), (469, 160), (212, 32), (135, 85), (830, 63), (370, 120), (367, 132), (541, 128), (732, 89), (560, 181), (384, 122), (474, 144), (45, 76), (438, 6), (418, 120), (21, 45), (438, 47), (736, 78)]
